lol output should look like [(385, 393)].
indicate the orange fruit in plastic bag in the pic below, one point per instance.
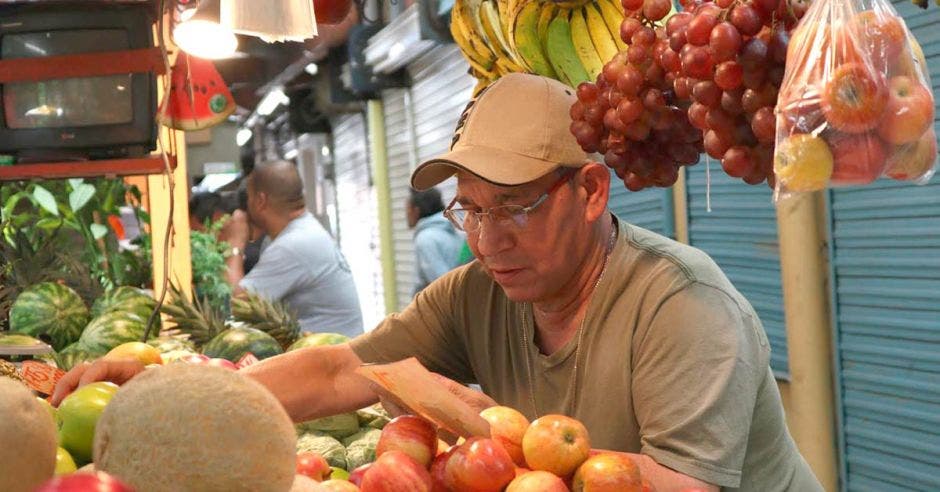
[(858, 158), (882, 37), (909, 162), (854, 98), (803, 162)]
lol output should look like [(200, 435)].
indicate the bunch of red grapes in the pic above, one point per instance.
[(706, 81)]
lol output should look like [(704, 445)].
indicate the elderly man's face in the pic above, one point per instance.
[(533, 263)]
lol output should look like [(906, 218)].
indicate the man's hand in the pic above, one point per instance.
[(235, 231), (115, 371)]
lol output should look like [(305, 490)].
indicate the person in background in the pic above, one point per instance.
[(300, 263), (437, 243), (252, 252), (205, 206)]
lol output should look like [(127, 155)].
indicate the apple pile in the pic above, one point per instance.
[(855, 103), (551, 454)]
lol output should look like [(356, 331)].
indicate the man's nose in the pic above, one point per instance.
[(491, 238)]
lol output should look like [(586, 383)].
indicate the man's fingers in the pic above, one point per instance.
[(68, 383), (97, 371)]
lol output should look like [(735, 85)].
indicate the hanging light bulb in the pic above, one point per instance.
[(201, 34)]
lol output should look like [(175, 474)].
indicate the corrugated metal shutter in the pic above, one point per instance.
[(440, 91), (650, 209), (357, 211), (400, 145), (885, 244), (740, 234)]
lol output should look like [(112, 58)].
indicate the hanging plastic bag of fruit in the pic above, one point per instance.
[(855, 103)]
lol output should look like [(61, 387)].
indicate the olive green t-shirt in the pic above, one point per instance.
[(673, 362)]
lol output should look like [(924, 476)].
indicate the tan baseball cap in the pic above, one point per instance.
[(515, 131)]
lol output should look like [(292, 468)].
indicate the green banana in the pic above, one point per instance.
[(600, 35), (561, 51), (583, 46), (527, 42), (613, 17)]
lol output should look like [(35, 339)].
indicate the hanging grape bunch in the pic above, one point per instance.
[(705, 80)]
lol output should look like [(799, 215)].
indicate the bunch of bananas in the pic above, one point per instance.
[(568, 40)]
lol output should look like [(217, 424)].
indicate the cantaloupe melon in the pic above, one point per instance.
[(303, 483), (193, 427), (27, 439)]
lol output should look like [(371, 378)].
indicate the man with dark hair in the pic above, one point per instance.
[(300, 263), (204, 206), (437, 244)]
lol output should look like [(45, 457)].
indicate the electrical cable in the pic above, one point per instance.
[(170, 181)]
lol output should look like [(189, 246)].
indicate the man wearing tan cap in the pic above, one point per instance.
[(566, 310)]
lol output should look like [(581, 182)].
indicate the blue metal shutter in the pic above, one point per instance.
[(740, 234), (885, 247), (650, 209)]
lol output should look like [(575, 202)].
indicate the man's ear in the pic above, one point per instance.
[(594, 181)]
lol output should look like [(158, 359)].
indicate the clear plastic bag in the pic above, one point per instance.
[(855, 103)]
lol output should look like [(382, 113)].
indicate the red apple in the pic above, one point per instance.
[(438, 466), (356, 475), (858, 158), (909, 112), (537, 481), (556, 444), (313, 465), (411, 435), (910, 162), (395, 471), (479, 465), (608, 472), (85, 482), (507, 426)]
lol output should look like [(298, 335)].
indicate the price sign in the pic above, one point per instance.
[(41, 377), (246, 360)]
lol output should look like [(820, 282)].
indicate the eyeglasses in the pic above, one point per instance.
[(510, 216)]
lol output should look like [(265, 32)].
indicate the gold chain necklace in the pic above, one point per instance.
[(573, 385)]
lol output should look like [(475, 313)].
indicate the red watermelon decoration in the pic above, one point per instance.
[(198, 96)]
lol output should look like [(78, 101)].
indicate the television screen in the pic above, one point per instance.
[(67, 103)]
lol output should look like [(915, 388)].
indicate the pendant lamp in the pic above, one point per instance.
[(200, 33)]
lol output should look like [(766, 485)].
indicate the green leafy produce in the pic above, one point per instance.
[(360, 448), (331, 449), (208, 258), (338, 426), (374, 416)]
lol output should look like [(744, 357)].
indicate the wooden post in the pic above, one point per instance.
[(805, 272), (376, 129)]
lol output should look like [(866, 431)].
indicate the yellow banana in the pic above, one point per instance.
[(466, 13), (461, 38), (583, 45), (545, 17), (502, 6), (489, 19), (526, 39), (613, 17), (561, 51), (600, 35)]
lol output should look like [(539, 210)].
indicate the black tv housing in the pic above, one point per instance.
[(136, 135)]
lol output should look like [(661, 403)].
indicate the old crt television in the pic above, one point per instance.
[(76, 118)]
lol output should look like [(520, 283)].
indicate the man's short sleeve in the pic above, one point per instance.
[(429, 329), (697, 369), (276, 274)]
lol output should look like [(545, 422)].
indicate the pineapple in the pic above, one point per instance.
[(7, 369), (194, 318), (273, 318)]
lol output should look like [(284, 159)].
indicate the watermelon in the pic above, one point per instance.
[(19, 341), (168, 344), (71, 356), (234, 343), (130, 299), (110, 330), (317, 339), (198, 97), (51, 312)]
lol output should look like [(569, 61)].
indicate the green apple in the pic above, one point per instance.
[(48, 406), (77, 416), (339, 473), (64, 464)]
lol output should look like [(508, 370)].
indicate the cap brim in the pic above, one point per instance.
[(495, 166)]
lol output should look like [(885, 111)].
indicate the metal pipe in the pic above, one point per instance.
[(380, 179)]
